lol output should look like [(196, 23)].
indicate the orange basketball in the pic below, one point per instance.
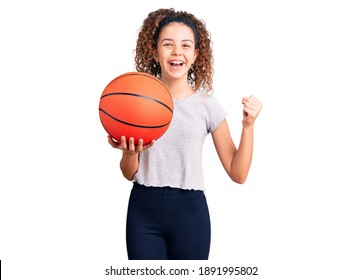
[(136, 104)]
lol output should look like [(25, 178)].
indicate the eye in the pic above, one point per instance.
[(186, 46)]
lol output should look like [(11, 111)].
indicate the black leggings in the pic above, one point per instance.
[(167, 223)]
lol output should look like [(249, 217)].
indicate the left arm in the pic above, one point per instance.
[(237, 161)]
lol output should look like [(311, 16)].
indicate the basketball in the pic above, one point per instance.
[(138, 105)]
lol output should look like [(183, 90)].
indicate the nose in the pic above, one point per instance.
[(176, 50)]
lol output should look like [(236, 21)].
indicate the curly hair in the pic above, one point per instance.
[(200, 76)]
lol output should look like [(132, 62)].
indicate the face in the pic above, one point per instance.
[(175, 51)]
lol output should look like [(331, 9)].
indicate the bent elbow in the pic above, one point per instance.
[(239, 179), (128, 176)]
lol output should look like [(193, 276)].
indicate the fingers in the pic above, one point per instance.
[(112, 142), (141, 147), (123, 143), (146, 147), (250, 101), (252, 105), (129, 146)]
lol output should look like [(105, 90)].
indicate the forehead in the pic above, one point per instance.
[(177, 30)]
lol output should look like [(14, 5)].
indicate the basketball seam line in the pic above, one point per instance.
[(137, 95), (131, 124)]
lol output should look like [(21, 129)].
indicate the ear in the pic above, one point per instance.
[(196, 51), (155, 55)]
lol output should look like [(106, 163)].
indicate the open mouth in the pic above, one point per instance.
[(176, 63)]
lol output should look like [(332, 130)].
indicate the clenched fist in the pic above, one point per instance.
[(251, 108)]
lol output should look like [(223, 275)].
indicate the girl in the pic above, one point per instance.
[(168, 214)]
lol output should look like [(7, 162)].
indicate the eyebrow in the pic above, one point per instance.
[(184, 40)]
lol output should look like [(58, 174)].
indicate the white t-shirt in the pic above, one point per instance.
[(175, 160)]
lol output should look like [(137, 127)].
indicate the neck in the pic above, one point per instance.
[(179, 90)]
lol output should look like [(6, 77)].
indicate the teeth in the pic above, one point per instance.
[(177, 62)]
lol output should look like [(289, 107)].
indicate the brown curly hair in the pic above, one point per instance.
[(200, 76)]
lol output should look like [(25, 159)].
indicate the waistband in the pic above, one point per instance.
[(164, 191)]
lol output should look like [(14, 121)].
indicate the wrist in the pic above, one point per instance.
[(130, 155), (248, 126)]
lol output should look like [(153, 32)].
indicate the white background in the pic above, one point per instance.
[(63, 200)]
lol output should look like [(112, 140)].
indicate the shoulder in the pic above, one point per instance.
[(207, 98), (211, 103), (214, 111)]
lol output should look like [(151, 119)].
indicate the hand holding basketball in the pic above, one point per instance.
[(131, 147), (251, 109)]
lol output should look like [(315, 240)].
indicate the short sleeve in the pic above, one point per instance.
[(216, 114)]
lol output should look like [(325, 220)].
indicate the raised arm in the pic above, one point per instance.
[(237, 161)]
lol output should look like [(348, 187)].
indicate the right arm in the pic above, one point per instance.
[(130, 159), (129, 165)]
